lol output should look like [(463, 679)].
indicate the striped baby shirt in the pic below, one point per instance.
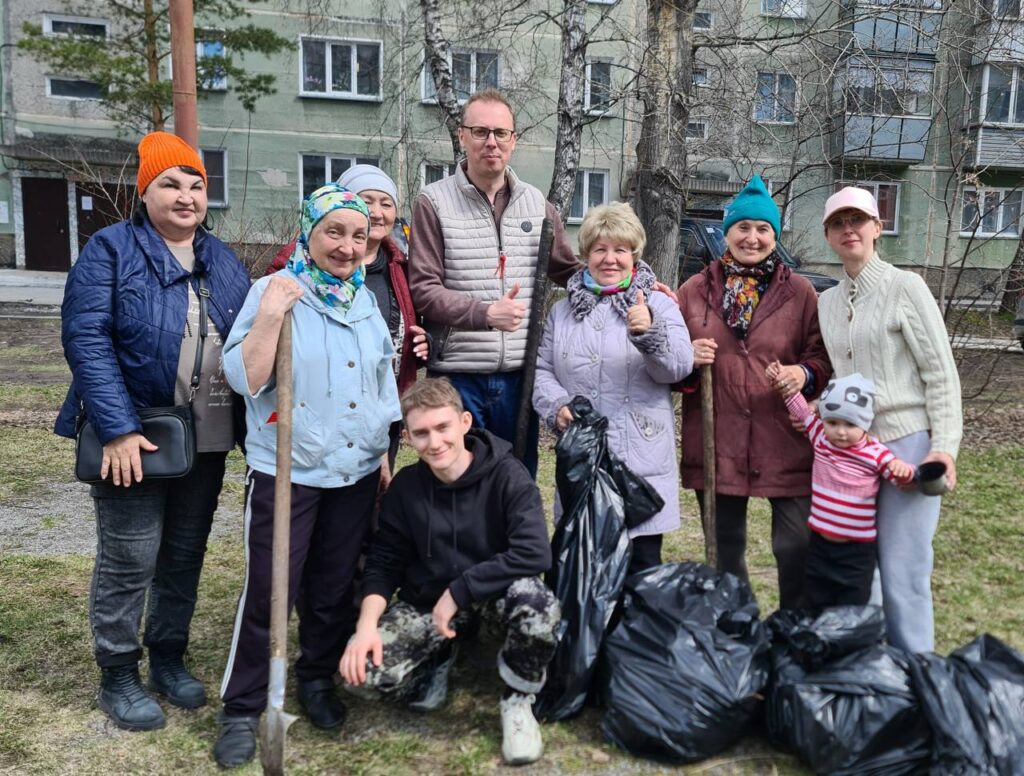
[(844, 481)]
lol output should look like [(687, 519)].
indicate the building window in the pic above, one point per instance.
[(342, 69), (703, 21), (991, 213), (471, 72), (316, 170), (790, 9), (887, 195), (890, 91), (1003, 94), (432, 172), (591, 190), (700, 76), (216, 163), (775, 100), (696, 130), (210, 53), (1004, 9), (75, 26), (73, 89), (597, 90)]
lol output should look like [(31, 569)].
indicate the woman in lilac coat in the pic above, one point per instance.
[(621, 345)]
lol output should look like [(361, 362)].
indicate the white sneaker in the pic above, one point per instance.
[(520, 734)]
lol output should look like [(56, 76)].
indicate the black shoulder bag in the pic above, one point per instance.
[(171, 429)]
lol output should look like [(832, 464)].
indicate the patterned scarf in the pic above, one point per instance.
[(332, 291), (615, 288), (744, 287), (583, 299)]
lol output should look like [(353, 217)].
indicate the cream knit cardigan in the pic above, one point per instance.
[(886, 325)]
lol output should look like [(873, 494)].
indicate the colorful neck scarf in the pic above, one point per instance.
[(583, 298), (744, 287), (615, 288), (332, 291)]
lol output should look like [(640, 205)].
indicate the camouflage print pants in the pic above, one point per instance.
[(528, 616)]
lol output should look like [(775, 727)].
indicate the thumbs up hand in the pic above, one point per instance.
[(638, 318), (506, 314)]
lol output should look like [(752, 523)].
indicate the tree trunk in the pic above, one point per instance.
[(436, 51), (152, 61), (571, 87), (1014, 278), (661, 150)]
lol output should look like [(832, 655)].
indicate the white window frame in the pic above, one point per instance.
[(1002, 233), (50, 18), (796, 98), (602, 2), (329, 94), (587, 108), (701, 121), (789, 9), (214, 203), (217, 84), (873, 187), (700, 84), (50, 94), (1016, 74), (427, 80), (586, 187), (449, 170), (711, 21), (905, 74), (353, 158)]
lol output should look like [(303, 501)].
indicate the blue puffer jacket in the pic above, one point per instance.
[(123, 317)]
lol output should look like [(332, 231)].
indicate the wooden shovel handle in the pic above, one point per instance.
[(707, 412)]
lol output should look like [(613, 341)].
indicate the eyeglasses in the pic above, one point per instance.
[(853, 220), (501, 135)]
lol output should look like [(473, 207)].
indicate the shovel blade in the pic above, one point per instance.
[(273, 731)]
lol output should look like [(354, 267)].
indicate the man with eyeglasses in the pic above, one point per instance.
[(472, 261)]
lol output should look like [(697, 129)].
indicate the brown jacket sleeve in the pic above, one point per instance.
[(563, 263), (437, 304)]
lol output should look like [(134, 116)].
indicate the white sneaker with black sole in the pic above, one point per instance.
[(521, 742)]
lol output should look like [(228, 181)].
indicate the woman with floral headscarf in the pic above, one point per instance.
[(345, 398)]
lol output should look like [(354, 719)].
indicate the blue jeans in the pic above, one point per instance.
[(151, 537), (493, 401)]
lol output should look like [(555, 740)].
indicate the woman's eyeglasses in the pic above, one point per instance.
[(501, 134), (853, 220)]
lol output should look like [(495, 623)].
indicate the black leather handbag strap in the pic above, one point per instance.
[(204, 295)]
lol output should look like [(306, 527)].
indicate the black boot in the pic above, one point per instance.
[(236, 742), (124, 700), (168, 676), (321, 703)]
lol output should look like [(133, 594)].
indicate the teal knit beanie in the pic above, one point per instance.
[(753, 203)]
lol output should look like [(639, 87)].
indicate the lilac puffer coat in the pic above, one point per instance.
[(627, 379)]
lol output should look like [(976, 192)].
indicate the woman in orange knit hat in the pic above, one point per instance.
[(133, 331)]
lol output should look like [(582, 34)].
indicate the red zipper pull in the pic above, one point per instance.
[(500, 271)]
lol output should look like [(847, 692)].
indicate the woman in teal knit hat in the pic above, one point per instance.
[(744, 311)]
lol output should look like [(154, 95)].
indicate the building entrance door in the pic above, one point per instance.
[(44, 203)]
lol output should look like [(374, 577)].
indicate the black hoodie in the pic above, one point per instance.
[(474, 536)]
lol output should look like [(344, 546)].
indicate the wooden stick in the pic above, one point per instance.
[(707, 412)]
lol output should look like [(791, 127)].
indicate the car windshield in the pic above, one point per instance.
[(717, 238)]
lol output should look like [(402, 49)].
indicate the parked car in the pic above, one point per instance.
[(701, 241), (1018, 320)]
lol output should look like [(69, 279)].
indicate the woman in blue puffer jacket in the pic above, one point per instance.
[(130, 326), (344, 401)]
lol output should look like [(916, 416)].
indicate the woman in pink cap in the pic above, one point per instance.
[(883, 322)]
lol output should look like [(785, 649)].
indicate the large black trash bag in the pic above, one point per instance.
[(686, 665), (974, 702), (591, 551), (840, 700)]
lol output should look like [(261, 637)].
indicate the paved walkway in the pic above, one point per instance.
[(27, 287)]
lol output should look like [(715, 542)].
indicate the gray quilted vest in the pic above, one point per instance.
[(473, 266)]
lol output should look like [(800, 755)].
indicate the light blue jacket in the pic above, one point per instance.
[(343, 388)]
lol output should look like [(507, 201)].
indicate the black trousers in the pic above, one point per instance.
[(839, 573), (646, 552), (328, 526), (790, 536)]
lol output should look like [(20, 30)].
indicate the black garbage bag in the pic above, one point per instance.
[(840, 700), (686, 664), (600, 498), (974, 702)]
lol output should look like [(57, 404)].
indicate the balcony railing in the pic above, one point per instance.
[(997, 147), (896, 139)]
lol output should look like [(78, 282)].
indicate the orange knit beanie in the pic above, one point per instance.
[(159, 151)]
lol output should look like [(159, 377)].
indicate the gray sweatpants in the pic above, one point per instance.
[(907, 521)]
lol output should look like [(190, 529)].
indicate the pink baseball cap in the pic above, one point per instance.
[(850, 198)]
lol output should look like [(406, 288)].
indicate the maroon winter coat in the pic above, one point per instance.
[(757, 452), (398, 275)]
